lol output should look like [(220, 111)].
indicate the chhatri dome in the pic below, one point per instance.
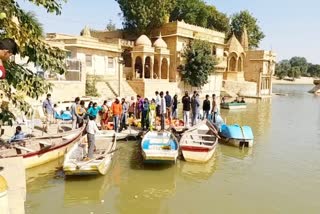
[(143, 40), (160, 43)]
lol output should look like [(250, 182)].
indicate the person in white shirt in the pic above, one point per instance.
[(91, 129), (163, 109)]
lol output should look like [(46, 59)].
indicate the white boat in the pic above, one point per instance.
[(199, 143), (125, 134), (75, 163), (159, 147), (233, 105), (40, 150)]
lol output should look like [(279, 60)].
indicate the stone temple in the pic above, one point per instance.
[(122, 65)]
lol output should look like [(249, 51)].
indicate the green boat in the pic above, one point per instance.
[(234, 105)]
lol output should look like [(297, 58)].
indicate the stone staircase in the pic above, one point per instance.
[(105, 91), (126, 90)]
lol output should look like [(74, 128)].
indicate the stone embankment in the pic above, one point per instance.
[(316, 88)]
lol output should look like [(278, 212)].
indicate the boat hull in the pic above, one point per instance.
[(159, 147), (88, 169), (34, 159), (232, 106), (196, 154), (96, 166), (237, 142)]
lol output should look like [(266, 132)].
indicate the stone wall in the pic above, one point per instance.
[(240, 88), (67, 90)]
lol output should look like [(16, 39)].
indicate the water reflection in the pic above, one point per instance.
[(143, 187), (85, 190), (238, 153), (40, 177), (198, 172)]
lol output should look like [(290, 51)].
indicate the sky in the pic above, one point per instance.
[(291, 26)]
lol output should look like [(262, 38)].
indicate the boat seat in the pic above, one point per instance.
[(200, 141), (24, 148), (45, 143)]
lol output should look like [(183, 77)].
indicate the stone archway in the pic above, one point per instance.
[(126, 55), (164, 68), (232, 63), (138, 67), (240, 67), (147, 68), (156, 69)]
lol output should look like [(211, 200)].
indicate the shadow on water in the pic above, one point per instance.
[(236, 152)]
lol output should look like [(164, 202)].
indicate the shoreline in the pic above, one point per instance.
[(300, 81)]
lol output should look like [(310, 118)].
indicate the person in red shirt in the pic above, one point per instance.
[(116, 111), (8, 47)]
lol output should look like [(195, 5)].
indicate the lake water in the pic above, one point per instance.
[(280, 174)]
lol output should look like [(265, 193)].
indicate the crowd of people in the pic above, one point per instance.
[(157, 111)]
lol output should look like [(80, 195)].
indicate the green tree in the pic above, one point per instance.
[(199, 63), (313, 70), (246, 19), (301, 63), (91, 89), (142, 16), (197, 12), (294, 72), (111, 26), (282, 69), (24, 28)]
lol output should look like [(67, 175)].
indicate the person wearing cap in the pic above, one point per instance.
[(116, 111), (8, 47)]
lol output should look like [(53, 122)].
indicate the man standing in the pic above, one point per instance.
[(123, 123), (91, 129), (206, 107), (157, 104), (132, 107), (168, 105), (48, 110), (186, 109), (116, 111), (195, 104), (8, 47), (214, 110), (74, 112), (162, 110)]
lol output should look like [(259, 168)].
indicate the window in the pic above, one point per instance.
[(110, 62), (88, 60), (68, 55), (214, 51)]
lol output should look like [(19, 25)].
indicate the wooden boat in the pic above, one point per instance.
[(159, 147), (234, 105), (198, 144), (40, 150), (74, 163), (236, 135)]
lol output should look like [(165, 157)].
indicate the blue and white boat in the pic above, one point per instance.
[(236, 135), (159, 147)]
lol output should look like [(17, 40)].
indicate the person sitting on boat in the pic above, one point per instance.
[(242, 100), (236, 100), (223, 99), (18, 135), (91, 129)]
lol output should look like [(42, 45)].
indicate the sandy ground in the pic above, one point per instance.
[(301, 80)]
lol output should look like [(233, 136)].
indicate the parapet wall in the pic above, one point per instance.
[(242, 88)]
